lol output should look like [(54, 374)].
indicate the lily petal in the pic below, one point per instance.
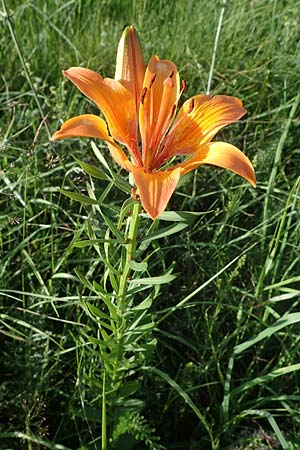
[(155, 188), (86, 125), (158, 104), (114, 100), (89, 125), (130, 65), (198, 120), (118, 155), (223, 155)]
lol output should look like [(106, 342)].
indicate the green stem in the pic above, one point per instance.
[(127, 256), (130, 254), (28, 432), (131, 240), (103, 434)]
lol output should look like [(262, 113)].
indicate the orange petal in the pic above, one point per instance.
[(118, 155), (223, 155), (158, 104), (86, 125), (89, 125), (155, 188), (130, 65), (115, 101), (198, 120)]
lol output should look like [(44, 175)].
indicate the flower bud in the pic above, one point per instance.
[(130, 65)]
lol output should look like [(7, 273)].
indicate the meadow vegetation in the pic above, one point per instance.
[(222, 370)]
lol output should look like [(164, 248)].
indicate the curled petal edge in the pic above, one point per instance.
[(222, 155), (89, 125)]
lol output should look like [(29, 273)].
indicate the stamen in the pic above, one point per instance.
[(183, 87), (143, 94), (191, 106), (164, 152), (172, 112), (152, 80)]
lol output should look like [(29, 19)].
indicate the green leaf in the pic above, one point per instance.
[(200, 288), (107, 299), (99, 156), (140, 348), (92, 242), (122, 184), (132, 404), (166, 231), (145, 304), (94, 340), (64, 275), (125, 210), (79, 197), (180, 216), (87, 308), (284, 321), (150, 281), (140, 329), (32, 438), (176, 338), (98, 289), (272, 422), (128, 388), (184, 395), (112, 227), (283, 283), (138, 266), (96, 311), (117, 179), (265, 378), (92, 170), (85, 281)]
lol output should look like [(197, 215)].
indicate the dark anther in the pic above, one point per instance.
[(172, 112), (143, 93), (183, 85), (191, 105), (152, 80)]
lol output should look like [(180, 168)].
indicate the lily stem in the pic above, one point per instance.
[(130, 254)]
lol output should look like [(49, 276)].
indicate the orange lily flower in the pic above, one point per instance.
[(139, 106)]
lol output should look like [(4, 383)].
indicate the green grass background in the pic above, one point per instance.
[(50, 390)]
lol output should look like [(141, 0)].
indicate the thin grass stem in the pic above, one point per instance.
[(26, 71), (216, 43), (103, 425)]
